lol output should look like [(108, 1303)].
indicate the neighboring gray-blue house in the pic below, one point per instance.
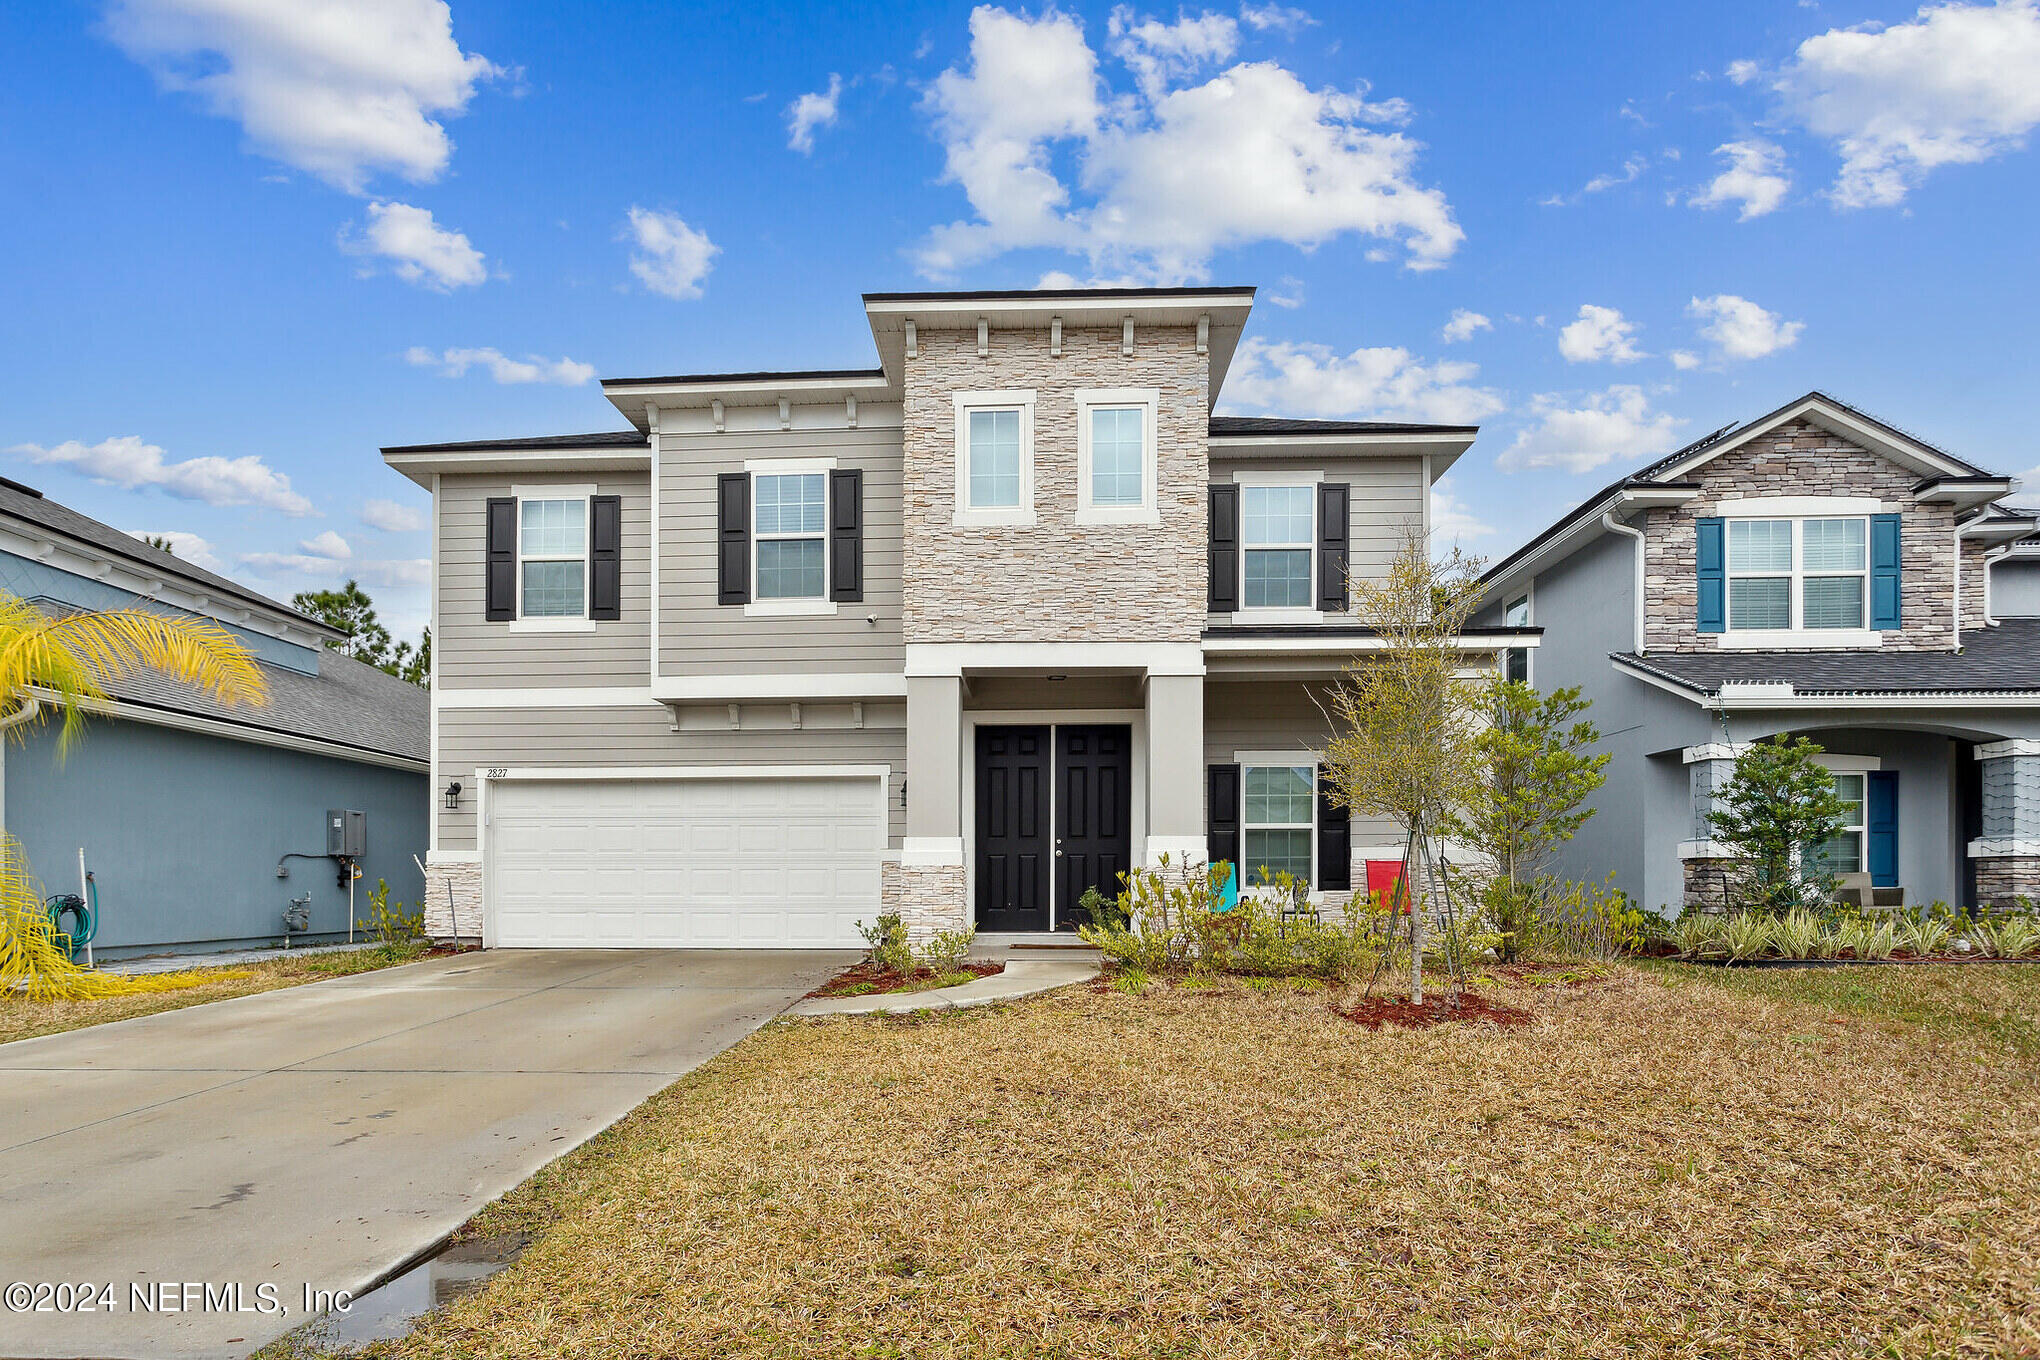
[(185, 808), (1814, 572)]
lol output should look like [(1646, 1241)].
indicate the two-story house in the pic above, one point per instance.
[(962, 635), (1813, 572)]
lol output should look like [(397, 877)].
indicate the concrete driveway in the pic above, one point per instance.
[(321, 1135)]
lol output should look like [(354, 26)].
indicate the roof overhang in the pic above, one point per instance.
[(633, 396), (1442, 447), (1309, 649), (1566, 537), (1222, 310), (1920, 458), (421, 465), (1782, 696), (1964, 493)]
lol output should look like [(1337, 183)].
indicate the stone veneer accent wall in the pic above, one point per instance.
[(1975, 581), (1801, 459), (1055, 580), (928, 897), (466, 883), (2002, 879)]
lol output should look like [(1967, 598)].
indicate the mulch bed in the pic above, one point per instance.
[(1438, 1009), (868, 979)]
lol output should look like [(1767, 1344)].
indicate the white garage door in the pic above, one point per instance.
[(787, 863)]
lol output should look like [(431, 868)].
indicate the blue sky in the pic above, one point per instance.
[(249, 243)]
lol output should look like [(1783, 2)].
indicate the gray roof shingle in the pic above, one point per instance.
[(1240, 425), (2004, 659)]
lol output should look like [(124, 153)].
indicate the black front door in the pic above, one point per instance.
[(1012, 828), (1093, 807)]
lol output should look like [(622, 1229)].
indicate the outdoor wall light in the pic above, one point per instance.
[(453, 796)]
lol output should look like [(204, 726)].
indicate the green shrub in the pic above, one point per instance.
[(1875, 941), (1697, 935), (2006, 937), (1099, 909), (1924, 935), (392, 925), (1746, 935), (886, 943), (949, 950), (1164, 922), (1797, 934), (1594, 920)]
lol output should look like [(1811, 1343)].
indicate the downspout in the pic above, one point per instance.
[(1991, 559), (1958, 586), (1609, 521)]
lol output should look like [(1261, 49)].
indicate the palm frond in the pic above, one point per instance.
[(31, 960)]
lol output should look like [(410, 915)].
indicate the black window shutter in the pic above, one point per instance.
[(1222, 814), (605, 557), (733, 538), (1223, 550), (846, 534), (500, 583), (1334, 840), (1334, 500)]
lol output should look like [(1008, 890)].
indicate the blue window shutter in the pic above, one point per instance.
[(1880, 828), (1884, 577), (1712, 567)]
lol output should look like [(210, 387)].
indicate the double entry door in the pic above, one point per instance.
[(1054, 805)]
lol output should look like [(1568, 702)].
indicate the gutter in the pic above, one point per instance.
[(1609, 521)]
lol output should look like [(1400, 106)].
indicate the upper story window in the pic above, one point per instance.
[(1516, 660), (995, 457), (1277, 539), (552, 558), (792, 522), (1807, 574), (1116, 456)]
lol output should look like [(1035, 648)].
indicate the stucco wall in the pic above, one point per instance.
[(1055, 580), (182, 831)]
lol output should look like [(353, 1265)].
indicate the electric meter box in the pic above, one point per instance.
[(346, 833)]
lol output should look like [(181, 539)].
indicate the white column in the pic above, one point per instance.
[(1175, 769), (935, 771)]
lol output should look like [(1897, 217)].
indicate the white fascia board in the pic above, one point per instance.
[(420, 467), (230, 731), (1586, 526), (1691, 696), (1304, 645), (671, 689), (1443, 445), (1906, 452), (1036, 309), (551, 696), (954, 658)]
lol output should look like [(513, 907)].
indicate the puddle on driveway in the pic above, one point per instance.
[(389, 1311)]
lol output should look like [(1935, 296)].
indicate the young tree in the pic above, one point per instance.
[(350, 610), (1532, 773), (1405, 719), (1776, 814)]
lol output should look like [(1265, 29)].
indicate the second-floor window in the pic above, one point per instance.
[(1516, 660), (1798, 573), (995, 457), (1277, 537), (552, 552), (791, 523), (1116, 456)]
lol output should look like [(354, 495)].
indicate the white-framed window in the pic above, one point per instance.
[(1278, 546), (995, 457), (1798, 574), (1116, 455), (1278, 821), (1516, 660), (790, 535), (1845, 853), (552, 557)]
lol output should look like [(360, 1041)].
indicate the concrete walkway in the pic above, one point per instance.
[(1023, 977), (322, 1135)]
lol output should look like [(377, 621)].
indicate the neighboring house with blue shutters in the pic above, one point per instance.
[(185, 807), (1816, 572)]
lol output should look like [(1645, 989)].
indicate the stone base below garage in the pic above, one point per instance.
[(928, 897), (453, 902), (2002, 879)]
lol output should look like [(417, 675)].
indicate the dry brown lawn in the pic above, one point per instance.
[(21, 1018), (1668, 1162)]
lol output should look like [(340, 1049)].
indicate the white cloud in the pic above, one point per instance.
[(1452, 521), (126, 461), (816, 109), (341, 89), (672, 258), (1958, 85), (418, 249), (1282, 19), (391, 517), (1631, 168), (1299, 379), (1161, 55), (1289, 295), (1740, 329), (1601, 333), (532, 368), (1617, 423), (1684, 359), (1463, 325), (190, 547), (328, 545), (1743, 72), (1754, 177), (1169, 173)]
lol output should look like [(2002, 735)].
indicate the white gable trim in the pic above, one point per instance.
[(1907, 453)]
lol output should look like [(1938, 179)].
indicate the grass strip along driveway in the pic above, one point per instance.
[(21, 1018), (1665, 1162)]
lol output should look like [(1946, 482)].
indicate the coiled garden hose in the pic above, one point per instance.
[(84, 917)]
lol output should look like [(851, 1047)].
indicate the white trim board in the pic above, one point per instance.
[(954, 658), (555, 696), (770, 687), (232, 731)]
